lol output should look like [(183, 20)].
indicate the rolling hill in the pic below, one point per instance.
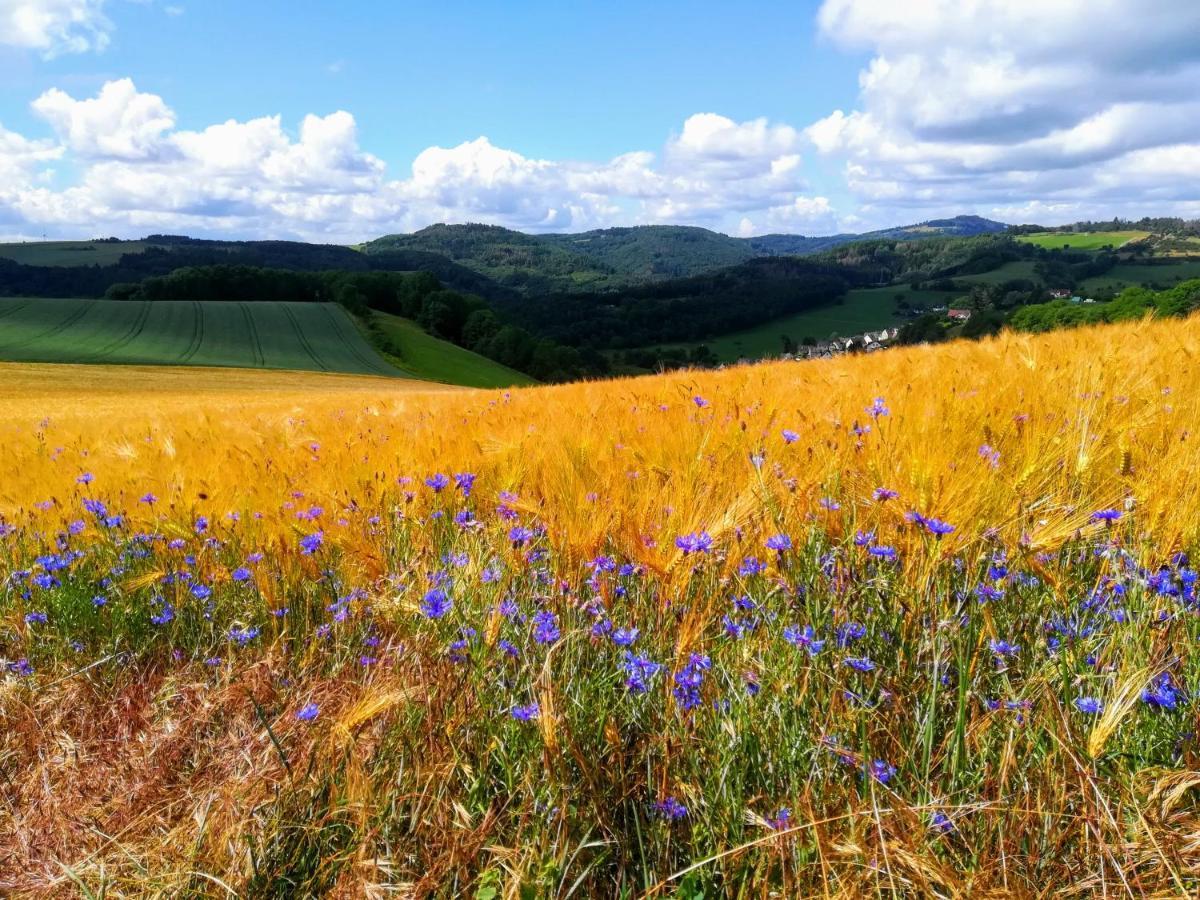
[(616, 258), (318, 337)]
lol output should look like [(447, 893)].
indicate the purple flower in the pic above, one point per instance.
[(1089, 705), (307, 713), (878, 408), (311, 543), (465, 481), (1162, 693), (882, 771), (85, 478), (545, 627), (671, 809), (639, 671), (438, 482), (937, 527), (789, 436), (624, 637), (803, 638), (436, 603), (883, 494), (699, 542), (35, 618), (241, 573), (751, 566), (526, 713), (700, 401), (201, 525), (1106, 515), (1004, 648), (883, 552), (860, 663), (520, 535), (779, 542)]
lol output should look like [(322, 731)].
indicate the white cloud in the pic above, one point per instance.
[(119, 123), (54, 27), (137, 173), (1008, 105)]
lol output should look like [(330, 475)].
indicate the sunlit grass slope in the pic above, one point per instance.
[(913, 624)]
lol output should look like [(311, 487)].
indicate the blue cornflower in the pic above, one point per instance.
[(880, 551), (437, 482), (201, 591), (624, 637), (878, 408), (1004, 648), (937, 527), (781, 820), (436, 603), (639, 670), (751, 566), (883, 494), (941, 822), (164, 615), (1089, 705), (804, 638), (519, 535), (779, 542), (241, 573), (698, 542), (545, 627), (465, 482), (85, 478), (308, 712), (526, 713), (35, 618), (508, 647), (671, 809), (201, 525), (860, 663), (789, 436), (1162, 693), (1106, 515), (311, 543), (882, 771), (700, 401), (243, 636), (689, 679)]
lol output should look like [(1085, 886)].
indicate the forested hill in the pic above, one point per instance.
[(616, 258)]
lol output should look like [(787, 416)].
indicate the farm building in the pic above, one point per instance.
[(959, 315)]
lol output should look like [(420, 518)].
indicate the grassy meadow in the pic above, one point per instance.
[(70, 253), (424, 356), (1083, 240), (306, 336), (915, 624)]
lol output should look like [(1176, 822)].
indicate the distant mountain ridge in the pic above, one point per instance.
[(615, 258)]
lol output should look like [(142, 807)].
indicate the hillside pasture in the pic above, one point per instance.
[(1156, 275), (432, 359), (70, 253), (1083, 240), (318, 337)]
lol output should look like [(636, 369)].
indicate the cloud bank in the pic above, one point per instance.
[(1023, 110)]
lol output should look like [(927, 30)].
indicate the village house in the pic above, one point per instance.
[(958, 315)]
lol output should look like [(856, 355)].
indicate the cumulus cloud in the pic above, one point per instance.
[(138, 172), (54, 27), (1005, 105)]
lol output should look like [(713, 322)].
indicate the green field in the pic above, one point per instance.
[(1083, 240), (1159, 275), (70, 253), (317, 337), (1010, 271), (864, 309), (432, 359)]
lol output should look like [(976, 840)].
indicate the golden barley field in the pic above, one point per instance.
[(913, 624)]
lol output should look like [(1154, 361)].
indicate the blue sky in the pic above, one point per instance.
[(805, 116)]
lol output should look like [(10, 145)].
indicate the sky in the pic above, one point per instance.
[(341, 122)]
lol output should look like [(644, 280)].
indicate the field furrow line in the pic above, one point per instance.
[(66, 323), (300, 335), (256, 343), (128, 337), (15, 308), (197, 332), (349, 342)]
